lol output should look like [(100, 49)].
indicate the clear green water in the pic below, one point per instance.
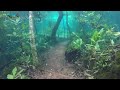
[(88, 26)]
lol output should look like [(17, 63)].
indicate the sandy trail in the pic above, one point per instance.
[(56, 66)]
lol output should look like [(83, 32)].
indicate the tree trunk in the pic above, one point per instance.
[(32, 38), (64, 28), (54, 30)]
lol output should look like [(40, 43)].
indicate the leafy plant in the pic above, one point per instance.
[(75, 44), (16, 74), (97, 35)]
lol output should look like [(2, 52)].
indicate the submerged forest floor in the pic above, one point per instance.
[(56, 67)]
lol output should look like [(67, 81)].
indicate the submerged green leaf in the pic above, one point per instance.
[(9, 76), (14, 71)]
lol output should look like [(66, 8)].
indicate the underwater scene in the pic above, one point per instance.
[(59, 44)]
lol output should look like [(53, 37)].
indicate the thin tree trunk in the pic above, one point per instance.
[(64, 28), (32, 38), (54, 30)]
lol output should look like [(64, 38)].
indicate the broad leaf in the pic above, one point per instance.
[(9, 76), (14, 71)]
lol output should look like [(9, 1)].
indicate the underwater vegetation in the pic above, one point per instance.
[(93, 41), (100, 55)]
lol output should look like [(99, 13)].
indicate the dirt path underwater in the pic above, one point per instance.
[(56, 66)]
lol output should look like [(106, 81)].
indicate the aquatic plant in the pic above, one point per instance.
[(93, 40), (16, 74), (97, 35), (73, 50), (75, 43)]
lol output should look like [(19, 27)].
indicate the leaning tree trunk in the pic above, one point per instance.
[(54, 30), (32, 38)]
